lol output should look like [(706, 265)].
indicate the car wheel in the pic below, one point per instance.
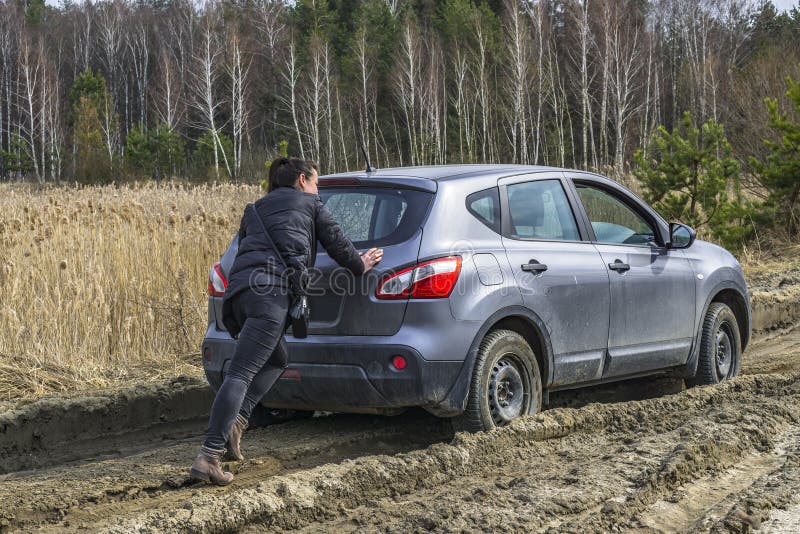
[(506, 383), (263, 416), (720, 347)]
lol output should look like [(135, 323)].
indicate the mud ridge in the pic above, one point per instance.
[(775, 309), (294, 500), (59, 429)]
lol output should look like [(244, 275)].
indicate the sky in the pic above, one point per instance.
[(784, 4)]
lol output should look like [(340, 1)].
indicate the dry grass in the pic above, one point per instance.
[(771, 263), (103, 285)]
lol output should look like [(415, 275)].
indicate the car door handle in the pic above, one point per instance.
[(619, 266), (534, 266)]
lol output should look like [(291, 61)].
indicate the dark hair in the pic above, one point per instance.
[(284, 172)]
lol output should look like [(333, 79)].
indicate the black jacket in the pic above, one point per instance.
[(296, 221)]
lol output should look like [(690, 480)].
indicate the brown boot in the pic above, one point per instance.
[(207, 467), (237, 431)]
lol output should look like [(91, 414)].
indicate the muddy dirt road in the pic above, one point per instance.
[(642, 456)]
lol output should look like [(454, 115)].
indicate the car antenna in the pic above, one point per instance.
[(363, 147), (366, 159)]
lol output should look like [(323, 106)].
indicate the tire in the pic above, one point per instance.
[(505, 365), (720, 347), (263, 416)]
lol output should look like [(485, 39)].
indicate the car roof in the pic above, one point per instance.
[(444, 172)]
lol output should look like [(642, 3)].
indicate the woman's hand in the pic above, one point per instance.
[(371, 257)]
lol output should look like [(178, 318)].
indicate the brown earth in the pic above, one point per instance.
[(643, 455), (708, 459)]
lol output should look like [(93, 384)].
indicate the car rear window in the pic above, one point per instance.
[(376, 216)]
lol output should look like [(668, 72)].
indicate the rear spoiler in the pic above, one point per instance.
[(403, 182)]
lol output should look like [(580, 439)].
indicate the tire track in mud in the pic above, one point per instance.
[(730, 498), (95, 491), (601, 479)]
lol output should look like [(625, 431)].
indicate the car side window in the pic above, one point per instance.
[(540, 210), (612, 220), (485, 206)]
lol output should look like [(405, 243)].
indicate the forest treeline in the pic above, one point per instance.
[(114, 90)]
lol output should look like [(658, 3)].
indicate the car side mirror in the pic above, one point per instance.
[(680, 236)]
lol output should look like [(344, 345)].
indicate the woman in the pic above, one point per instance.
[(261, 285)]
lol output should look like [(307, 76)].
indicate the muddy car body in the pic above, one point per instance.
[(498, 285)]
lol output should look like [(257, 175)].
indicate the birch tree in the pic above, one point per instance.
[(30, 70), (167, 92), (517, 41), (205, 101), (7, 23), (406, 84), (269, 23), (584, 80), (536, 14), (139, 51), (238, 68), (625, 66), (291, 75)]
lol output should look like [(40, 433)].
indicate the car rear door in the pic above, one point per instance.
[(561, 276), (371, 215), (652, 287)]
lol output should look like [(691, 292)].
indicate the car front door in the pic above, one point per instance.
[(561, 275), (652, 286)]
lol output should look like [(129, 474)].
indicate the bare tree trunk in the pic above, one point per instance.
[(487, 152), (627, 65), (341, 132), (328, 74), (645, 132), (30, 117), (518, 52), (205, 102), (584, 82), (366, 95), (406, 85), (535, 14), (238, 71), (607, 22), (269, 22), (313, 106), (110, 31), (6, 57), (292, 75), (167, 103), (138, 46)]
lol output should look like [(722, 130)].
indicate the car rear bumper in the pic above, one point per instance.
[(343, 376)]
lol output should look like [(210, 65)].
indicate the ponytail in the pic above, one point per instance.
[(284, 172)]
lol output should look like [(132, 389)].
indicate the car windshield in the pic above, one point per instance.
[(376, 216)]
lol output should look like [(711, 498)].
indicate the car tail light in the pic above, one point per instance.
[(217, 283), (329, 182), (433, 279)]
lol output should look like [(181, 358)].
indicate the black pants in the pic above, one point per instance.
[(258, 361)]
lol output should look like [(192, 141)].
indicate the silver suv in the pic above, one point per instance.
[(499, 284)]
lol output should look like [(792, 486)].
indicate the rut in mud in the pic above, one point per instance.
[(708, 459)]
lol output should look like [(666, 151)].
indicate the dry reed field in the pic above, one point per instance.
[(105, 285)]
